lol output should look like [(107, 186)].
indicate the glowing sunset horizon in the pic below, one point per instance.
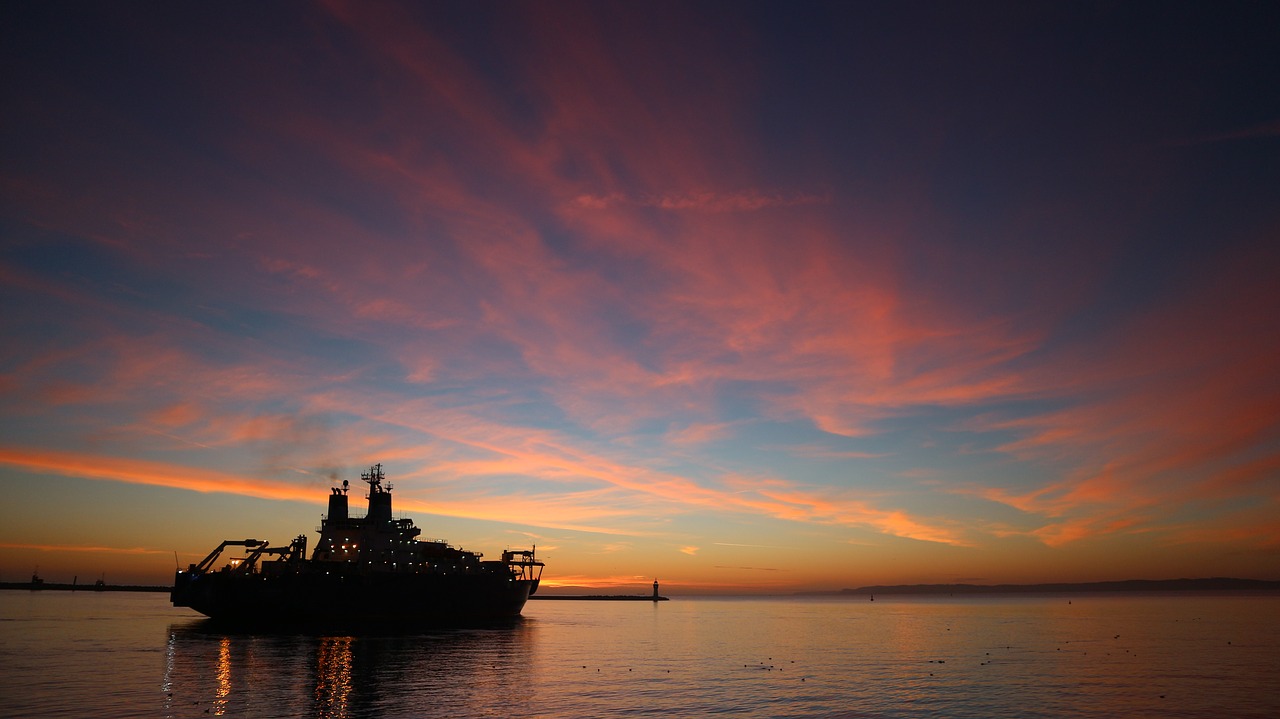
[(745, 298)]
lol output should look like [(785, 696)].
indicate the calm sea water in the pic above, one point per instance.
[(132, 655)]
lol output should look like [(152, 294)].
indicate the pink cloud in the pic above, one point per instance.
[(1179, 405), (700, 433), (740, 304), (791, 299), (704, 201), (686, 271)]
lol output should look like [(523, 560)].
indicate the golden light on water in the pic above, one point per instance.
[(223, 677), (333, 677)]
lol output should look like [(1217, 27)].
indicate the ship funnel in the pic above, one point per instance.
[(337, 505), (379, 496), (380, 507)]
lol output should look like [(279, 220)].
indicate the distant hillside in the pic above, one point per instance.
[(1130, 585)]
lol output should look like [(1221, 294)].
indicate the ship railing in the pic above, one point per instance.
[(523, 564)]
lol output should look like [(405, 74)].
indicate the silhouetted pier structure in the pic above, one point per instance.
[(655, 597)]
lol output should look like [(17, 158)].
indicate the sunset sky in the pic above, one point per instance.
[(758, 297)]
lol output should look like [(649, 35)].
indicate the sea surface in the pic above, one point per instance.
[(120, 654)]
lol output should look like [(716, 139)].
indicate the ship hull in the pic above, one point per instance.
[(318, 598)]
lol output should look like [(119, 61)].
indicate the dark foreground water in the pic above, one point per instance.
[(132, 655)]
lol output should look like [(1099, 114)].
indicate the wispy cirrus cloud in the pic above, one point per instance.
[(543, 267), (704, 201), (1169, 424)]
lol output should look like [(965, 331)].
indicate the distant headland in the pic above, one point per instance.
[(1212, 584)]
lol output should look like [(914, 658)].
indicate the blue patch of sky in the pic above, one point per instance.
[(524, 407), (490, 365), (85, 268), (734, 400), (62, 258), (237, 330)]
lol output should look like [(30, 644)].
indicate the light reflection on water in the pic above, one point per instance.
[(1181, 656), (224, 677), (333, 677), (459, 672)]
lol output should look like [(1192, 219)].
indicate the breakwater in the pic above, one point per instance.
[(73, 587), (603, 597)]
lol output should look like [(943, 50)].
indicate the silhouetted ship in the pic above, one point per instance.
[(370, 569)]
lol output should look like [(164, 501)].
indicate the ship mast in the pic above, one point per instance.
[(374, 478)]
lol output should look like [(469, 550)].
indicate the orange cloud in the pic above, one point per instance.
[(82, 548), (135, 471)]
